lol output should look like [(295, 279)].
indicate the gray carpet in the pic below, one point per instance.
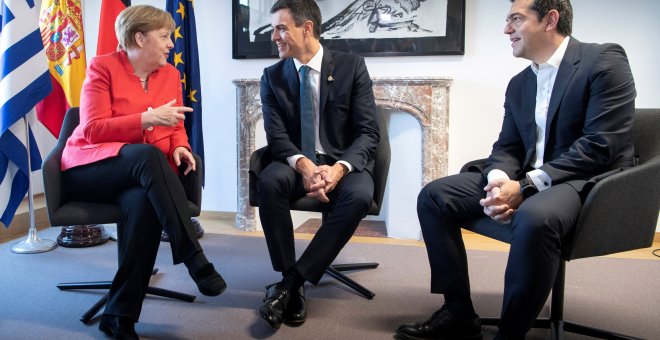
[(617, 294)]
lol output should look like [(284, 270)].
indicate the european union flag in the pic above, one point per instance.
[(185, 59)]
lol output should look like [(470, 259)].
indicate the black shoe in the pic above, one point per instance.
[(208, 281), (296, 312), (118, 327), (275, 303), (442, 325)]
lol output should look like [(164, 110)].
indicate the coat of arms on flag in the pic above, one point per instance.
[(62, 34)]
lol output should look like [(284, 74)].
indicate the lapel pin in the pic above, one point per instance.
[(330, 79)]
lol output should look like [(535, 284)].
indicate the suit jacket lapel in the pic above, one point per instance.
[(529, 109), (569, 64), (293, 81), (327, 70)]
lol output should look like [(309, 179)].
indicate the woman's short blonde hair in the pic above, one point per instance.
[(140, 18)]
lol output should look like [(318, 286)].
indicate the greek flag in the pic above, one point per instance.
[(24, 81)]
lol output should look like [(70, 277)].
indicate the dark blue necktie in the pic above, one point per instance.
[(307, 133)]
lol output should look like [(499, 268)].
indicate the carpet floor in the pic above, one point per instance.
[(617, 294)]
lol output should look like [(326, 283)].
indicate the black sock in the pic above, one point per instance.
[(292, 280), (196, 261), (460, 306)]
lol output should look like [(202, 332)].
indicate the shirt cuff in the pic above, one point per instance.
[(496, 174), (293, 159), (347, 164), (540, 179)]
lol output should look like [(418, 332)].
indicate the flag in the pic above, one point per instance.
[(185, 59), (107, 41), (24, 81), (62, 34)]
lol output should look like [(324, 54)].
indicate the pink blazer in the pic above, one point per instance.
[(111, 104)]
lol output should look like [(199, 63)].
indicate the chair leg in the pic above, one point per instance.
[(556, 323), (171, 294), (595, 332), (84, 285), (557, 303), (335, 272), (91, 312)]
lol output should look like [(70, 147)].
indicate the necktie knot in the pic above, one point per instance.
[(304, 71)]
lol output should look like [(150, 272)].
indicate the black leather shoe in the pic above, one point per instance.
[(296, 312), (208, 281), (442, 325), (118, 327), (275, 303)]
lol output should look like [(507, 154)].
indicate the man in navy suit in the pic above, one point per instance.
[(567, 124), (338, 171)]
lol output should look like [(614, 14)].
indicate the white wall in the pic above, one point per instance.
[(480, 76)]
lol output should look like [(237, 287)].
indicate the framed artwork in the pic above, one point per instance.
[(367, 27)]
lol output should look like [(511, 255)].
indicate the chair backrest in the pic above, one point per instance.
[(261, 158), (621, 211), (382, 157), (59, 212), (62, 212), (645, 134)]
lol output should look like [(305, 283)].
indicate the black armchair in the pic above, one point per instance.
[(62, 212), (261, 158), (605, 225)]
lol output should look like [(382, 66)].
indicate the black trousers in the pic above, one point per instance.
[(278, 186), (152, 198), (538, 226)]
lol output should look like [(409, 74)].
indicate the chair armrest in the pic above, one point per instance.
[(259, 159), (52, 179), (192, 184), (619, 214)]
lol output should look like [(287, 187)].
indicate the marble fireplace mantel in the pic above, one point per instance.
[(426, 99)]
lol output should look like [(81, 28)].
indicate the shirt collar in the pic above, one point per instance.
[(314, 63), (555, 59)]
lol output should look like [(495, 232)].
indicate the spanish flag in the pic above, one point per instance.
[(107, 41), (61, 29)]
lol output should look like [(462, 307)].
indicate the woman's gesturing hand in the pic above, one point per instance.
[(164, 115)]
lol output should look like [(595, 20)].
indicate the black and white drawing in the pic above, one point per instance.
[(367, 27)]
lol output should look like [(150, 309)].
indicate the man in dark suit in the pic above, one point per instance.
[(335, 168), (567, 123)]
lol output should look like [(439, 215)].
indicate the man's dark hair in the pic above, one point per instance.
[(301, 10), (565, 24)]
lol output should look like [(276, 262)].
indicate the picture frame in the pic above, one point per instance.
[(373, 28)]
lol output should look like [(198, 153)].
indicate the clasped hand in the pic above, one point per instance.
[(503, 197), (164, 115), (319, 180)]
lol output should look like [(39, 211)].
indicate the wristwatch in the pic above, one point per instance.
[(527, 188)]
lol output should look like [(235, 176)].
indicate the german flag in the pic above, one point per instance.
[(107, 41)]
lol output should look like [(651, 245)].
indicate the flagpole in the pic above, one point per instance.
[(33, 243)]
